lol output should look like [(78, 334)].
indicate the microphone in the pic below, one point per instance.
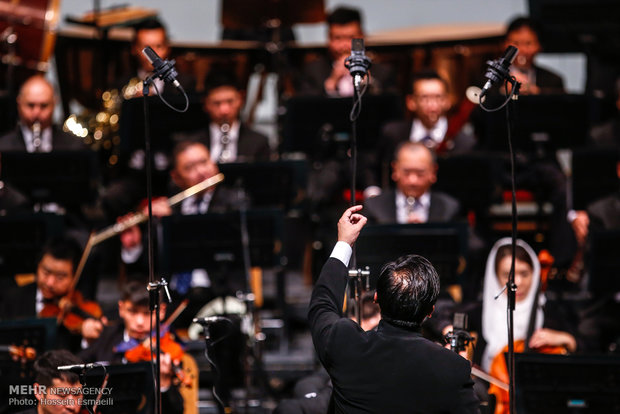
[(357, 63), (78, 368), (211, 320), (164, 69), (499, 70)]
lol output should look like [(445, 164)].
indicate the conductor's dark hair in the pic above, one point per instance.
[(407, 289), (520, 22), (63, 248), (46, 367), (344, 15)]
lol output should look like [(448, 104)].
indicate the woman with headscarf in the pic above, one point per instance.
[(553, 324)]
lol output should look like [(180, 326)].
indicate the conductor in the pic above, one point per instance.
[(393, 369)]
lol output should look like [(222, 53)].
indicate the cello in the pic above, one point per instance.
[(499, 369)]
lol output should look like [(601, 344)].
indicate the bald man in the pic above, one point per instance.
[(34, 132), (414, 171)]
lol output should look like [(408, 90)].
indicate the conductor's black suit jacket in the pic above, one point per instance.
[(391, 370)]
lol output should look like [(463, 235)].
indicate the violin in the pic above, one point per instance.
[(499, 369), (142, 350), (23, 353), (71, 311)]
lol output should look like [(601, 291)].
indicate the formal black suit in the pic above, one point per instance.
[(103, 350), (251, 145), (61, 141), (391, 370), (382, 209), (315, 73), (604, 214), (548, 82)]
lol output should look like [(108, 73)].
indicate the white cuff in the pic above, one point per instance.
[(342, 251), (571, 216)]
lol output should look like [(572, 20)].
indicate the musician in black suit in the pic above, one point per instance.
[(327, 74), (130, 331), (35, 132), (52, 281), (523, 33), (429, 103), (414, 171), (393, 369), (226, 137)]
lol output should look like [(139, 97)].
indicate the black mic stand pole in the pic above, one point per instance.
[(358, 275), (153, 285), (510, 284)]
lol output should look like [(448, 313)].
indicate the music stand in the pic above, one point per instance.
[(21, 240), (604, 262), (130, 386), (268, 184), (213, 242), (563, 384), (39, 334), (68, 178), (542, 124), (315, 124), (443, 244)]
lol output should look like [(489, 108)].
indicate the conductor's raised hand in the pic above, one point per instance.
[(350, 225)]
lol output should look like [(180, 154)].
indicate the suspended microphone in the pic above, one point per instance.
[(357, 63), (164, 69), (499, 70), (78, 368)]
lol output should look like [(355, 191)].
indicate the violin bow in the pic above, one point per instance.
[(96, 238), (141, 217)]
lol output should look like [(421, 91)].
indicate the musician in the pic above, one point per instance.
[(153, 33), (429, 103), (414, 171), (327, 75), (227, 138), (35, 131), (131, 331), (523, 33), (52, 282), (392, 369), (192, 164), (56, 392)]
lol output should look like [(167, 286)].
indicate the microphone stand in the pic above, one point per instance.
[(153, 286), (510, 287), (360, 277)]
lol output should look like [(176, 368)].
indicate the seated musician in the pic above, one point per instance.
[(227, 138), (35, 131), (56, 392), (51, 289), (429, 102), (123, 341), (414, 171), (192, 164), (552, 330)]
